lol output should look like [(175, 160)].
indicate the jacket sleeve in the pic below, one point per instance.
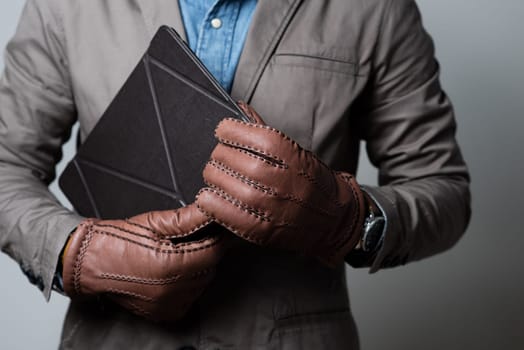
[(36, 116), (409, 127)]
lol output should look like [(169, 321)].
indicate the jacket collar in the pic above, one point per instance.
[(268, 24)]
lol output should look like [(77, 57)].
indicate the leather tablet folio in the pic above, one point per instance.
[(149, 148)]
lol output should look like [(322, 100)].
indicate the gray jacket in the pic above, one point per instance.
[(328, 73)]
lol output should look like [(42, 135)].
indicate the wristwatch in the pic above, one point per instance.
[(373, 230)]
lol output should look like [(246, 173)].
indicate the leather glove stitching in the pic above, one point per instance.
[(173, 251), (154, 281), (270, 157), (318, 185), (248, 181), (130, 294), (77, 270), (140, 280), (144, 285), (256, 156), (246, 236), (163, 236), (160, 240), (283, 136), (137, 309), (262, 188), (321, 187), (237, 203)]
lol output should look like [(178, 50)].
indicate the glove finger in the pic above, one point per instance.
[(269, 157), (242, 187), (176, 223), (192, 257), (273, 203), (250, 165), (272, 179), (304, 237), (279, 192), (261, 140), (246, 222), (251, 113)]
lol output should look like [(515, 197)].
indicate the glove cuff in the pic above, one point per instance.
[(351, 231), (73, 257)]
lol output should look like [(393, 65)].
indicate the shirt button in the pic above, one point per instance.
[(216, 23)]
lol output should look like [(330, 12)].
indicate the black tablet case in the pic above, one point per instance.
[(149, 148)]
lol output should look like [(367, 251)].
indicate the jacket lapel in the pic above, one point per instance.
[(267, 26), (159, 12)]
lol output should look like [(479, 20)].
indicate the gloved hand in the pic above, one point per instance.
[(268, 190), (155, 264)]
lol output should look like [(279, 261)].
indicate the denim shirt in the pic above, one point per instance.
[(216, 31)]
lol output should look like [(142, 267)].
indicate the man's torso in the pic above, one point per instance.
[(303, 67)]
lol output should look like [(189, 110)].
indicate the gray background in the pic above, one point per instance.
[(471, 297)]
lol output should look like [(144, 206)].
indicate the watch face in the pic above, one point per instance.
[(373, 233)]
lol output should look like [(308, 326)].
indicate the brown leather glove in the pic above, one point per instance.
[(268, 190), (155, 264)]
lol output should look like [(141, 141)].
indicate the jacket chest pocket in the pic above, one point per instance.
[(306, 95), (315, 62)]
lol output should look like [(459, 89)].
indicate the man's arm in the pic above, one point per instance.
[(409, 128), (268, 190), (36, 115)]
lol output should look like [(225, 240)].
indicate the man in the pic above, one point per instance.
[(322, 76)]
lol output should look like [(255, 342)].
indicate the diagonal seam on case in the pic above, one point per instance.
[(86, 187), (192, 84), (146, 61), (128, 178)]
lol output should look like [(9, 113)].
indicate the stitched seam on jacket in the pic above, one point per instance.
[(316, 57), (322, 69)]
